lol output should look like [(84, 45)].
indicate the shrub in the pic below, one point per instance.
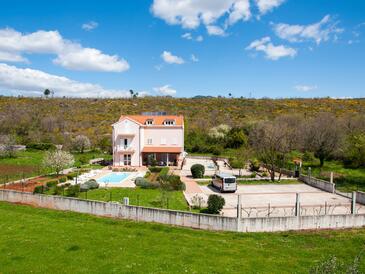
[(155, 169), (143, 183), (62, 179), (253, 175), (52, 183), (176, 183), (215, 204), (164, 171), (39, 189), (309, 157), (91, 184), (197, 171), (41, 146), (73, 191)]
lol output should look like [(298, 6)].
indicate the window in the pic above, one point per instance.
[(127, 159), (125, 142), (163, 141), (174, 141), (149, 141), (169, 122), (149, 122)]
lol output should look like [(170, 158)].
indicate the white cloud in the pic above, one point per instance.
[(34, 82), (189, 36), (271, 51), (215, 30), (70, 55), (191, 14), (305, 88), (199, 38), (169, 58), (268, 5), (240, 11), (79, 58), (165, 90), (320, 31), (89, 26), (194, 58), (12, 57)]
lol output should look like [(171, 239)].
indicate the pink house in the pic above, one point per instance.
[(143, 139)]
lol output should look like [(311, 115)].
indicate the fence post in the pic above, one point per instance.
[(331, 178), (309, 174), (297, 205), (126, 200), (353, 204), (239, 213)]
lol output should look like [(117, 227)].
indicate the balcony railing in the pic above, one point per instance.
[(124, 149)]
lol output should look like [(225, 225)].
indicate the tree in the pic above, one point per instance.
[(271, 142), (47, 92), (80, 143), (235, 138), (355, 150), (322, 136), (133, 94), (58, 160), (7, 143)]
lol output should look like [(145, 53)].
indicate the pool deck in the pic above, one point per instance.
[(127, 183)]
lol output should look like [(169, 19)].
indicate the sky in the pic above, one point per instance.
[(183, 48)]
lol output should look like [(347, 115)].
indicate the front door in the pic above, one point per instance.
[(127, 159)]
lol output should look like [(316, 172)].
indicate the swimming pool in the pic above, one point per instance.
[(114, 177)]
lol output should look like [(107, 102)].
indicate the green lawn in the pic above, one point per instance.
[(28, 163), (46, 241), (346, 179), (138, 196)]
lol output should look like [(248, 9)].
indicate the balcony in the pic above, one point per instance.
[(124, 149)]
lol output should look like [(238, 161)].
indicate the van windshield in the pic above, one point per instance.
[(229, 180)]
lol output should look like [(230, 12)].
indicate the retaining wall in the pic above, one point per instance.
[(181, 218), (318, 183)]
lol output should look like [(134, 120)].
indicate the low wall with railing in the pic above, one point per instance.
[(185, 219)]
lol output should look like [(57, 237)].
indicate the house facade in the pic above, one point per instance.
[(140, 140)]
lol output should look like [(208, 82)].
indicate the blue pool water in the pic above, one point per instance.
[(114, 177)]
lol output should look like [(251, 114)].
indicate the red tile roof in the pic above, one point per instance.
[(157, 120)]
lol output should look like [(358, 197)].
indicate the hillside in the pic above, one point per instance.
[(39, 117)]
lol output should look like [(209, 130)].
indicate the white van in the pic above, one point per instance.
[(224, 182)]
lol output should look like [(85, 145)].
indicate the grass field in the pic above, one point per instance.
[(28, 163), (138, 196), (346, 179), (45, 241)]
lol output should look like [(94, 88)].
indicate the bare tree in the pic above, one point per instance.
[(271, 141), (322, 136), (58, 160), (80, 143)]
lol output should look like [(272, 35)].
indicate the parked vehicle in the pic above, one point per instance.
[(224, 182)]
